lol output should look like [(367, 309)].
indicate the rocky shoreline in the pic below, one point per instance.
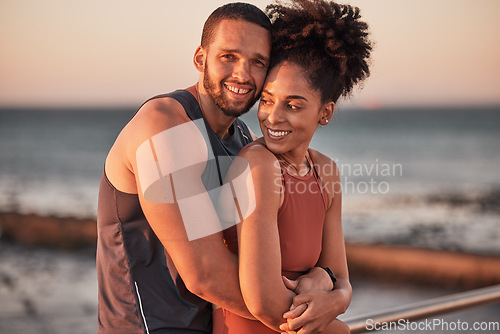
[(387, 262), (48, 231), (423, 266)]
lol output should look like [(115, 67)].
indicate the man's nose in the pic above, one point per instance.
[(242, 71)]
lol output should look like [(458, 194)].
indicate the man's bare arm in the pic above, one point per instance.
[(205, 264)]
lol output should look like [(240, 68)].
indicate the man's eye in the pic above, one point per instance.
[(229, 57), (293, 107), (260, 63), (265, 101)]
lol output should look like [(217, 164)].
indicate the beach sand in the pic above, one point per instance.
[(47, 290)]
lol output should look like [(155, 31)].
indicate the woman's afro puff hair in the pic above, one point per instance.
[(327, 39)]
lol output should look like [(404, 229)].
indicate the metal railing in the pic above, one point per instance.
[(426, 308)]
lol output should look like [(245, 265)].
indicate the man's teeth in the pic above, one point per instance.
[(237, 91), (278, 133)]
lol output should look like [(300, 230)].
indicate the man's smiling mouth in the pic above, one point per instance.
[(240, 91)]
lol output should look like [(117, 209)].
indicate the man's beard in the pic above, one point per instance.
[(216, 93)]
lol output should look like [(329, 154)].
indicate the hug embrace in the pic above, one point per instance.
[(201, 226)]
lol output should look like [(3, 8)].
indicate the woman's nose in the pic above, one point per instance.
[(274, 114)]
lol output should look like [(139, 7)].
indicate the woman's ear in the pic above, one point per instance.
[(327, 113), (199, 59)]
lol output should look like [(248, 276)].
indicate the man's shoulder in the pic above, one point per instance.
[(165, 109), (154, 116)]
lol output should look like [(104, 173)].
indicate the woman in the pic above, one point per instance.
[(320, 51)]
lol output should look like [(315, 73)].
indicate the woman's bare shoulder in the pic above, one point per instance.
[(256, 153), (329, 174), (327, 166)]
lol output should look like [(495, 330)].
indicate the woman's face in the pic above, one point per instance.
[(289, 110)]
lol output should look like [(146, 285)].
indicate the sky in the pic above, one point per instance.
[(119, 53)]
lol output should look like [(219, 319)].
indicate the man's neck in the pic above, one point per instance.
[(218, 122)]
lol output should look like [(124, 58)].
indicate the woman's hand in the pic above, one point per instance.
[(313, 312), (315, 307), (316, 279)]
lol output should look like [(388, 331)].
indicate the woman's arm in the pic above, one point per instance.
[(261, 282)]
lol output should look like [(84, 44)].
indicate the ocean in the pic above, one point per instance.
[(425, 177)]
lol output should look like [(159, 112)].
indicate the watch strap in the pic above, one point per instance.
[(331, 274)]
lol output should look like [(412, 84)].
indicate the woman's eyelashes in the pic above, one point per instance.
[(293, 107), (266, 102)]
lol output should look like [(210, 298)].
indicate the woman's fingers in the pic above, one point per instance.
[(295, 311), (290, 284)]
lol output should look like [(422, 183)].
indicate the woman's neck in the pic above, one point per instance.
[(297, 164)]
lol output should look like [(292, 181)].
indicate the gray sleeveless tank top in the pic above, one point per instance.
[(136, 291)]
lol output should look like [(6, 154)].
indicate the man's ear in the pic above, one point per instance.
[(199, 58)]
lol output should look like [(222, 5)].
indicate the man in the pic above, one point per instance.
[(161, 260)]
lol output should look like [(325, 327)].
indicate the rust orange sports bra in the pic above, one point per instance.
[(300, 221)]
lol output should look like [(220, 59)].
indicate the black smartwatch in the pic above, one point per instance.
[(331, 274)]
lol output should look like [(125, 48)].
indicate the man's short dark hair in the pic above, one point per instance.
[(233, 11)]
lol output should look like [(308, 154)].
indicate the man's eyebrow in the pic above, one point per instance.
[(230, 51), (264, 58)]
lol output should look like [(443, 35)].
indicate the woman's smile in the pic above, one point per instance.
[(289, 110), (277, 134)]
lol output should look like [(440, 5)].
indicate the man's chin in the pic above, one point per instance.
[(237, 109), (234, 112)]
